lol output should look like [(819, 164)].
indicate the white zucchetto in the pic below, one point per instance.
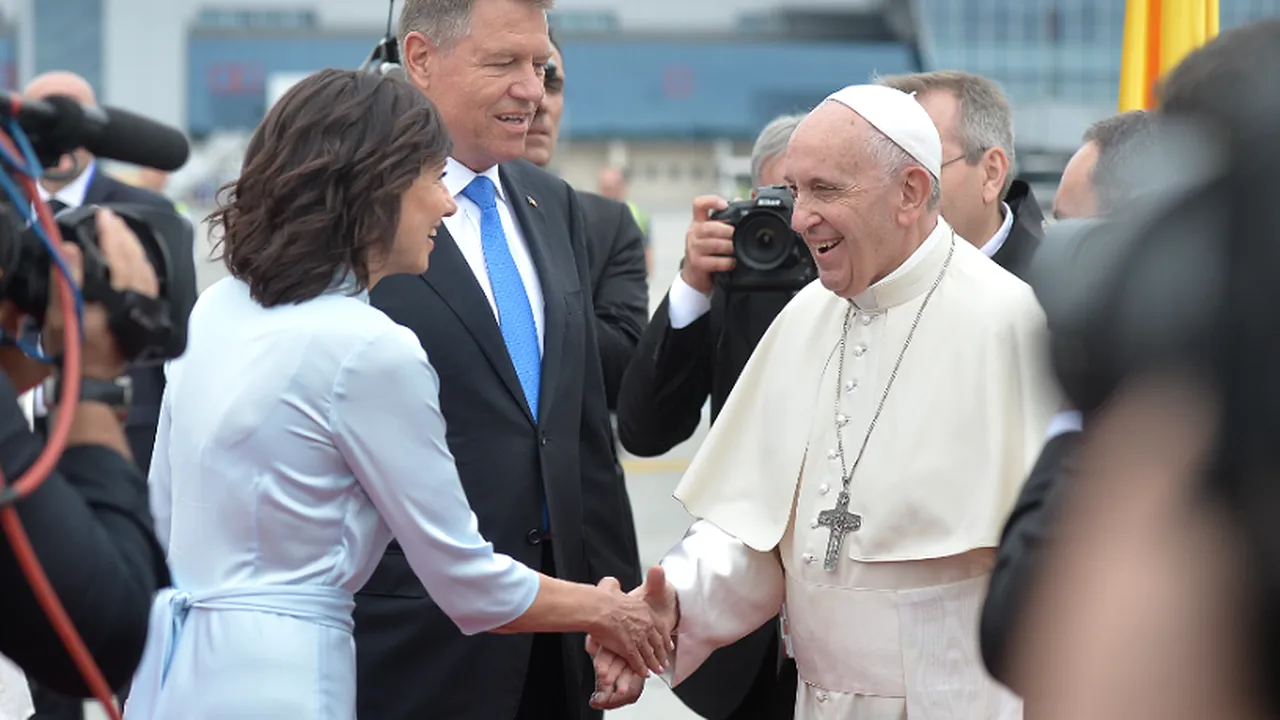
[(900, 117)]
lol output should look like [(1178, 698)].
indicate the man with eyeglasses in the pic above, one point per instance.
[(980, 199)]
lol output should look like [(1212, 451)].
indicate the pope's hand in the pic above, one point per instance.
[(617, 682)]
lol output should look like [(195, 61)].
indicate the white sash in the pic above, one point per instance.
[(328, 606)]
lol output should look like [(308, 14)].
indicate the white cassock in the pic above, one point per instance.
[(892, 631)]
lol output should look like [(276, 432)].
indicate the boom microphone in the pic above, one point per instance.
[(58, 124)]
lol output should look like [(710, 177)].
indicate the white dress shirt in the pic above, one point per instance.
[(992, 246), (294, 442), (73, 194), (464, 226)]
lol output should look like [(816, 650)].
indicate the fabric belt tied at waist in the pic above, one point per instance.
[(328, 606)]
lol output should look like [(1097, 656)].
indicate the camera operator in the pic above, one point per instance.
[(1093, 183), (77, 181), (89, 522), (695, 346)]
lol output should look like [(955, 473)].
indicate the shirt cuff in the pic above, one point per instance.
[(685, 304), (1064, 422)]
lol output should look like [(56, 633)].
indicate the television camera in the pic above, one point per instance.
[(39, 133)]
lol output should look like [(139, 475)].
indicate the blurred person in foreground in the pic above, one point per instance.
[(980, 198), (77, 180), (615, 244), (89, 522), (505, 314), (302, 430), (693, 351), (871, 507), (1093, 183), (1159, 591)]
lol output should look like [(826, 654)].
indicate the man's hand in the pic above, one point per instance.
[(130, 270), (708, 245), (617, 684)]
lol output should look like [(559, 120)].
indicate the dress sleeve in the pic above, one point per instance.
[(387, 424)]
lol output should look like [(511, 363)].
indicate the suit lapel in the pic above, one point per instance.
[(534, 228), (451, 277)]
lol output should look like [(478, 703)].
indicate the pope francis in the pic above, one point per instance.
[(862, 469)]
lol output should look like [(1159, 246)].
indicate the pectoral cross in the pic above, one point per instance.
[(842, 522)]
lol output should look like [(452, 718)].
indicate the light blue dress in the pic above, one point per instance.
[(294, 442)]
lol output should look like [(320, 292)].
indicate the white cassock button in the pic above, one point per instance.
[(833, 454), (859, 350), (850, 385), (823, 489), (866, 319), (822, 696), (842, 420), (809, 558)]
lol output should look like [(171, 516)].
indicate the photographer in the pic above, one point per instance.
[(89, 522), (695, 346)]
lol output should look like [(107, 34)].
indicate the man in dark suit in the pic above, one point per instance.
[(615, 243), (695, 348), (505, 316), (75, 181), (1093, 183), (980, 199)]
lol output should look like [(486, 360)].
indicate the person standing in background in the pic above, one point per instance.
[(615, 243), (981, 199), (612, 183)]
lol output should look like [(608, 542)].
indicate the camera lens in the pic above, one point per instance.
[(763, 241)]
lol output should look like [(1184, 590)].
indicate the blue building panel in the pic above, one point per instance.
[(227, 74), (670, 89), (693, 89), (68, 36)]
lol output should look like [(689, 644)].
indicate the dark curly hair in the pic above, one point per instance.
[(321, 183)]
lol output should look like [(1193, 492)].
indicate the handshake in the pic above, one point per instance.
[(622, 662)]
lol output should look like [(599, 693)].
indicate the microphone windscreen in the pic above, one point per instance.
[(132, 138)]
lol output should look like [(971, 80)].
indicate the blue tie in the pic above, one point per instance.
[(515, 315)]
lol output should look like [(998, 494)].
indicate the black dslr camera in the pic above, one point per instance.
[(770, 255), (146, 329)]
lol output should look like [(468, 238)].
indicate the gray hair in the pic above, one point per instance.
[(1121, 139), (891, 158), (985, 118), (771, 143), (443, 22)]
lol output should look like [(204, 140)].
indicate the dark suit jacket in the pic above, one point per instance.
[(1022, 544), (412, 660), (1027, 232), (619, 284), (148, 382)]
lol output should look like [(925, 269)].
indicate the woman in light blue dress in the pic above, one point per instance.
[(301, 431)]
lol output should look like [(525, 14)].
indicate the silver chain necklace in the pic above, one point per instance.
[(839, 519)]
